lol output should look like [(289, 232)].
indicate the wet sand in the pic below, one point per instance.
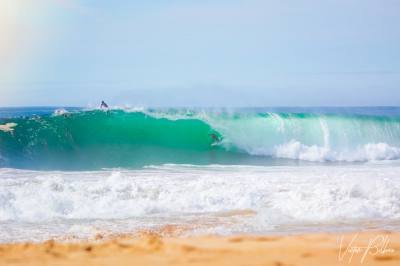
[(367, 248)]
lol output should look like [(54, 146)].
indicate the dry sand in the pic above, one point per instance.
[(152, 249)]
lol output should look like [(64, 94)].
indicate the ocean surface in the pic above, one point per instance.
[(71, 173)]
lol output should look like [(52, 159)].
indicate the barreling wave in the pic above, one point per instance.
[(116, 138)]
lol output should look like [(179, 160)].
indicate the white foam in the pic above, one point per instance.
[(171, 194), (380, 151), (368, 152), (8, 127), (60, 111)]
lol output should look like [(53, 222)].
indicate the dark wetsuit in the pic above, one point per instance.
[(215, 137), (103, 105)]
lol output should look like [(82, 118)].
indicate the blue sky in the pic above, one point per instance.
[(200, 53)]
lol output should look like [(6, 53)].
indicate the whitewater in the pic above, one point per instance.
[(73, 173)]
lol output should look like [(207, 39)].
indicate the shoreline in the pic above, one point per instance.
[(147, 248)]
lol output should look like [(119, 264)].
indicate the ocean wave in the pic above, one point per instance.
[(310, 137), (129, 138)]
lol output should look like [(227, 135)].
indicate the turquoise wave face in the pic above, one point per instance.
[(99, 139), (115, 138)]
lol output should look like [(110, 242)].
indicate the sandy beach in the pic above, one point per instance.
[(367, 248)]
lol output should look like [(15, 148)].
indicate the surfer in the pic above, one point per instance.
[(215, 137), (103, 105)]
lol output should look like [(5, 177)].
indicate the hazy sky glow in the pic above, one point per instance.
[(200, 53)]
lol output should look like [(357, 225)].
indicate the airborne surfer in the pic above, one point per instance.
[(103, 105)]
